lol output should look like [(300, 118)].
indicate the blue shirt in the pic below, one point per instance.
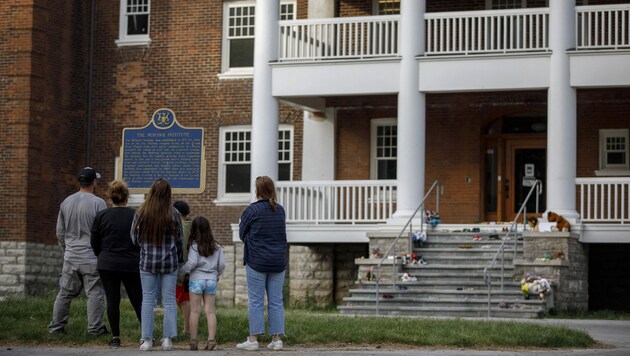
[(164, 258), (264, 233)]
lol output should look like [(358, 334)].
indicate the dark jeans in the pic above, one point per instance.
[(111, 282)]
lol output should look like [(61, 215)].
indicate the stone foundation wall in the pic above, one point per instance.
[(225, 286), (346, 271), (567, 269), (311, 274), (28, 268)]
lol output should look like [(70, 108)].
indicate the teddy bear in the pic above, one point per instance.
[(561, 223), (532, 221)]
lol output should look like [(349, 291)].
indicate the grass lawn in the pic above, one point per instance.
[(23, 322)]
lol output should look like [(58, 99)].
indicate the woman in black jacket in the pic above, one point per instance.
[(118, 259)]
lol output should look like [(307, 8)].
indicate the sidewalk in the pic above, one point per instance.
[(614, 333)]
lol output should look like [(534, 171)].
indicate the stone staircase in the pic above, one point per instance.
[(451, 284)]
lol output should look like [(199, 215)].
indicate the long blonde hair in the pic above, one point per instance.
[(265, 189), (155, 216)]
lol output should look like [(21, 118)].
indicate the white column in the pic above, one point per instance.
[(411, 112), (318, 148), (561, 112), (265, 111)]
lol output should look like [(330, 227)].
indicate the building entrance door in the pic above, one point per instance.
[(515, 156)]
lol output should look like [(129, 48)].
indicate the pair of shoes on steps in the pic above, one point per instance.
[(211, 344), (275, 345)]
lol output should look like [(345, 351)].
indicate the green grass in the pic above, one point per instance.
[(23, 321)]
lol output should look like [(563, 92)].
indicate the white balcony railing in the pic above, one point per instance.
[(350, 202), (604, 200), (495, 31), (339, 38), (603, 27)]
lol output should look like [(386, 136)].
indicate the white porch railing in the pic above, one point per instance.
[(339, 38), (350, 202), (494, 31), (604, 200), (603, 27)]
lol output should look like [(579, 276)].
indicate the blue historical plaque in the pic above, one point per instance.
[(163, 149)]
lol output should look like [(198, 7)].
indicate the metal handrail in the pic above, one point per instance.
[(393, 245), (537, 186)]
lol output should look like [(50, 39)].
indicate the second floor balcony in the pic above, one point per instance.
[(360, 55)]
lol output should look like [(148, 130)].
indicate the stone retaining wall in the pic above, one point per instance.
[(567, 270), (28, 268)]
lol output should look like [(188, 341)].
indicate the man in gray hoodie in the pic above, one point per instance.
[(74, 223)]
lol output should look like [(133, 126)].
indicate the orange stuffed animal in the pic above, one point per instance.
[(561, 223)]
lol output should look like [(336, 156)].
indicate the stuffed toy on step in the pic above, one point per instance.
[(561, 223)]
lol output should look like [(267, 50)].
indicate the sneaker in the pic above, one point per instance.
[(146, 345), (167, 344), (115, 342), (248, 345), (275, 345)]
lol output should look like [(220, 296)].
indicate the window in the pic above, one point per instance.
[(384, 148), (134, 23), (613, 149), (387, 7), (238, 44), (235, 161), (505, 4)]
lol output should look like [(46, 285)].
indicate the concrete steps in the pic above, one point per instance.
[(451, 284)]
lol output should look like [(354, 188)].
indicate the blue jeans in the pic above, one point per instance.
[(257, 284), (149, 291)]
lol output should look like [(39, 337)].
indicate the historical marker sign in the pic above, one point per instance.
[(163, 149)]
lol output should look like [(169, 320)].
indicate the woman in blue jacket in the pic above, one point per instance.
[(263, 231)]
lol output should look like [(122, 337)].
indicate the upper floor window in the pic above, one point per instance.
[(235, 161), (505, 4), (134, 23), (613, 150), (238, 38), (384, 148), (387, 7)]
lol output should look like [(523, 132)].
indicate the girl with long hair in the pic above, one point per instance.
[(205, 264), (157, 230)]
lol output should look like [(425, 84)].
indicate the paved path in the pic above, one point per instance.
[(614, 333)]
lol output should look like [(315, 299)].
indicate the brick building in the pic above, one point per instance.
[(367, 105)]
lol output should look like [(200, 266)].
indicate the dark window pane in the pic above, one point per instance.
[(237, 178), (242, 53), (386, 169), (284, 171), (138, 25), (616, 158)]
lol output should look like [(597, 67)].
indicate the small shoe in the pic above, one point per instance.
[(146, 345), (275, 345), (167, 344), (211, 344), (193, 344), (115, 342), (423, 262), (248, 345)]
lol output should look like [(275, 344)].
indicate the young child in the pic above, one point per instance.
[(205, 265)]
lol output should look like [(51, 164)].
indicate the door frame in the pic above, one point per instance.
[(511, 145)]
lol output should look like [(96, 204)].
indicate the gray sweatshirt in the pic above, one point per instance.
[(74, 223), (201, 267)]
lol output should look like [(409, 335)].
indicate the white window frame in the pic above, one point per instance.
[(132, 40), (240, 72), (376, 7), (374, 125), (606, 169), (224, 198)]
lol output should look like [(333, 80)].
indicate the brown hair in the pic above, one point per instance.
[(201, 233), (118, 192), (265, 189), (155, 215)]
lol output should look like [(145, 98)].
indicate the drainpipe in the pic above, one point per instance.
[(88, 151)]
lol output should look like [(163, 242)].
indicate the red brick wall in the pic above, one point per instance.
[(44, 61), (180, 72)]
